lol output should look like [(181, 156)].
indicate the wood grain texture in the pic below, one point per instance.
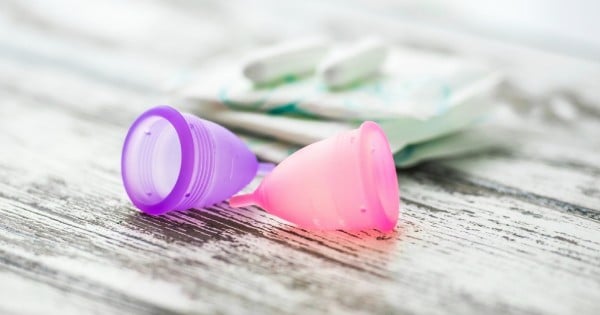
[(510, 231)]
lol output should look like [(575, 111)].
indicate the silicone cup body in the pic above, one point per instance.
[(174, 161), (344, 182)]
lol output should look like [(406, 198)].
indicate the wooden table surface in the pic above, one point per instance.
[(509, 231)]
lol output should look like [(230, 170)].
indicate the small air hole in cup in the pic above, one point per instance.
[(382, 172), (152, 163)]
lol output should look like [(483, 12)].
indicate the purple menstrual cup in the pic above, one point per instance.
[(173, 161)]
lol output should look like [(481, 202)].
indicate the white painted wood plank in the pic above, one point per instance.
[(458, 248)]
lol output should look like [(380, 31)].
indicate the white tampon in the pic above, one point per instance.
[(287, 59), (353, 63)]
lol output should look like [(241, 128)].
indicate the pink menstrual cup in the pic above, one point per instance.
[(347, 182), (174, 161)]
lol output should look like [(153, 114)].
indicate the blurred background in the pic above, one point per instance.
[(548, 49)]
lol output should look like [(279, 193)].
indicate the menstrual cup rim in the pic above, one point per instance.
[(366, 127), (186, 142)]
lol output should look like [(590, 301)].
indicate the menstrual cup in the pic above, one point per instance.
[(347, 182), (173, 161)]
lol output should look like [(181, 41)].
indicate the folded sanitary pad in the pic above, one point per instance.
[(427, 104)]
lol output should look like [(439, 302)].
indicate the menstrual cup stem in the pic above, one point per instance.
[(265, 168), (243, 200)]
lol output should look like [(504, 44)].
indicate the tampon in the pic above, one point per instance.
[(293, 58), (356, 62)]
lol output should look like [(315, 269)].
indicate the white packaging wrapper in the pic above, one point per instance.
[(472, 140), (421, 100)]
